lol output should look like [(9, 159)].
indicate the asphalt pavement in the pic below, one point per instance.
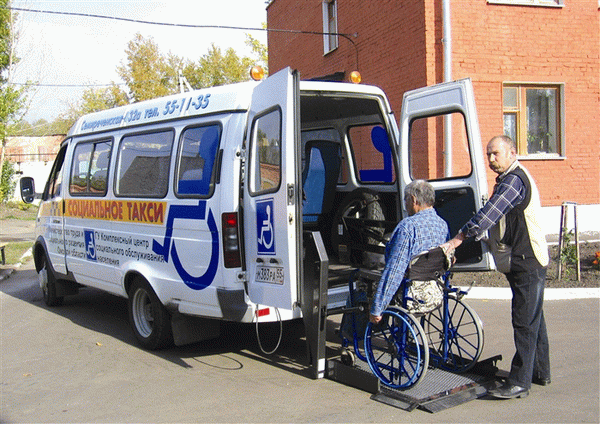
[(80, 363)]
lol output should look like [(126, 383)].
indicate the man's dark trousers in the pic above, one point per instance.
[(532, 357)]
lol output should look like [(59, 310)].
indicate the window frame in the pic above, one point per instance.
[(536, 3), (521, 117), (87, 190), (216, 165), (330, 38), (118, 159), (253, 156)]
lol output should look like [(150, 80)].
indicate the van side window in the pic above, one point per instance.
[(197, 154), (143, 164), (89, 171), (265, 153), (372, 154), (429, 164), (52, 188)]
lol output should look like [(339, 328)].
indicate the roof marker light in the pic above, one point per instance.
[(257, 73), (355, 77)]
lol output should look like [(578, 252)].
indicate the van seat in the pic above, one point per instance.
[(319, 178)]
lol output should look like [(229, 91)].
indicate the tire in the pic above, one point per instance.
[(459, 347), (397, 350), (149, 319), (47, 282), (364, 204)]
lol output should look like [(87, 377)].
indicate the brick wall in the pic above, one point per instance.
[(399, 47)]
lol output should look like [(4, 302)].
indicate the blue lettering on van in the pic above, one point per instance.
[(265, 230), (167, 248), (90, 245)]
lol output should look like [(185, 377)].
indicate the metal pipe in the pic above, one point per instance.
[(447, 44)]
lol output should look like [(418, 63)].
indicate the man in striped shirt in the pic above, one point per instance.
[(513, 212)]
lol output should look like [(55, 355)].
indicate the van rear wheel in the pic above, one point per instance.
[(150, 320)]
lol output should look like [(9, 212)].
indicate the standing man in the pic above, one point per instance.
[(514, 208), (420, 231)]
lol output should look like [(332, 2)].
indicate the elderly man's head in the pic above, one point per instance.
[(418, 195)]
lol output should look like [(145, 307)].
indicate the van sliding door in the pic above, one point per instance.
[(271, 199), (440, 142)]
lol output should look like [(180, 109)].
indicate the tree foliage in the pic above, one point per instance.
[(148, 73), (218, 68), (12, 99), (7, 186)]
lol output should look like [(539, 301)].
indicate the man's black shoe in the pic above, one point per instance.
[(541, 381), (509, 391)]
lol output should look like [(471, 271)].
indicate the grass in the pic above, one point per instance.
[(14, 251), (18, 210)]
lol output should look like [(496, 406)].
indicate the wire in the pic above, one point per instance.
[(139, 21)]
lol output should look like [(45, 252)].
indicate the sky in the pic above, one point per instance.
[(72, 50)]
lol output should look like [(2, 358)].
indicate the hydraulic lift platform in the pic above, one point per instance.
[(439, 389)]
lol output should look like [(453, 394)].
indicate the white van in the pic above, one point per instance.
[(248, 202)]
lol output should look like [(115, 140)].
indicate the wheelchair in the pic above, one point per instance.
[(421, 328)]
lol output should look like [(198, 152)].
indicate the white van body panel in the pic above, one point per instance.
[(159, 213)]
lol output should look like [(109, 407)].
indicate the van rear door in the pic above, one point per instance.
[(440, 142), (271, 198)]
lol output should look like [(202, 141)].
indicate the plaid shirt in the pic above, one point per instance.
[(508, 192), (412, 236)]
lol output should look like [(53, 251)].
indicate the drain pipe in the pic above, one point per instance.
[(447, 45)]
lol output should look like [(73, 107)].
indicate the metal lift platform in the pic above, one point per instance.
[(439, 389)]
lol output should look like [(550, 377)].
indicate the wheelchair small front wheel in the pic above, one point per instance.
[(397, 350)]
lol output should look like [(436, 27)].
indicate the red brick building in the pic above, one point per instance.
[(535, 66)]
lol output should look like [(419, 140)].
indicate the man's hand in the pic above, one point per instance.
[(451, 245), (375, 319)]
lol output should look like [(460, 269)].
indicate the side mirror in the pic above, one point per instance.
[(27, 189)]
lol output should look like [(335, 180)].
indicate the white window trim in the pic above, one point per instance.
[(562, 154), (537, 3), (327, 48)]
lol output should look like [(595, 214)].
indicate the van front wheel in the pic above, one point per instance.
[(150, 320), (47, 283)]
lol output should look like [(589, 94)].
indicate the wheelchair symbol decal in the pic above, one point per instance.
[(265, 230), (90, 245), (190, 212)]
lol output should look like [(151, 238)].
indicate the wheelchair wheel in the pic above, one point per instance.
[(397, 350), (456, 346)]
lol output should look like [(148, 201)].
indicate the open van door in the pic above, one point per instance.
[(440, 142), (271, 198)]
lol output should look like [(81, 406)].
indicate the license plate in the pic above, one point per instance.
[(269, 274)]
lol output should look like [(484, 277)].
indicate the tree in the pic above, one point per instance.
[(147, 73), (92, 100), (218, 68), (260, 51), (12, 100)]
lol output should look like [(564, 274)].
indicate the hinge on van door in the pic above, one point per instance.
[(290, 191)]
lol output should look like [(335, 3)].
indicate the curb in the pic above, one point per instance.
[(6, 272), (485, 293), (504, 293)]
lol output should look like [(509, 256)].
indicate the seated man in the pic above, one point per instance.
[(420, 231)]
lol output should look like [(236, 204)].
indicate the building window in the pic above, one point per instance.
[(533, 118), (551, 3), (330, 38)]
